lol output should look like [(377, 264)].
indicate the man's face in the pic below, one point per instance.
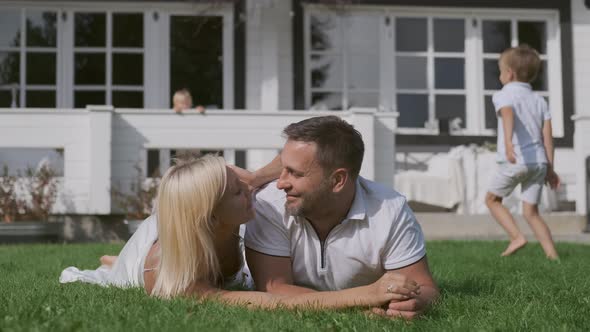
[(302, 179)]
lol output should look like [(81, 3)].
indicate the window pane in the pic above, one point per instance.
[(410, 34), (449, 35), (90, 68), (9, 68), (362, 34), (326, 101), (41, 68), (450, 107), (363, 71), (496, 36), (449, 73), (90, 30), (410, 72), (40, 98), (6, 98), (540, 83), (363, 99), (491, 75), (324, 31), (83, 98), (128, 30), (128, 99), (196, 58), (534, 34), (41, 28), (413, 110), (9, 28), (128, 69), (326, 71), (490, 116)]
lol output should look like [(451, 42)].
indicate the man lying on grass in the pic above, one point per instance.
[(323, 227)]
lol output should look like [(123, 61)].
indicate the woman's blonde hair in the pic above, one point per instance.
[(188, 193)]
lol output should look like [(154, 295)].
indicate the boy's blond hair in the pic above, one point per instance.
[(524, 61), (185, 94)]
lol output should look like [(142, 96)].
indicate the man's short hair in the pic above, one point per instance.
[(338, 143), (524, 61)]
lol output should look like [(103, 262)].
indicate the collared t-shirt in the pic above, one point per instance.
[(530, 111), (379, 233)]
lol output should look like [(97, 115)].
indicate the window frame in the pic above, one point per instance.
[(473, 54)]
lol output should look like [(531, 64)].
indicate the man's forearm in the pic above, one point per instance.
[(288, 290)]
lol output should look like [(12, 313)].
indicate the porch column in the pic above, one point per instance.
[(582, 149), (99, 150)]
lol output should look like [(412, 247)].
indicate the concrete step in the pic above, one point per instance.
[(446, 226)]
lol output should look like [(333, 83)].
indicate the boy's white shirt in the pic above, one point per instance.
[(530, 111)]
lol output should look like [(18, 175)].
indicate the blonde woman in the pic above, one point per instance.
[(194, 247)]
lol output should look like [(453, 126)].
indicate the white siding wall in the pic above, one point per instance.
[(581, 57)]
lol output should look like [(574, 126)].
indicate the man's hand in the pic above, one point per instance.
[(393, 287), (510, 155), (408, 309)]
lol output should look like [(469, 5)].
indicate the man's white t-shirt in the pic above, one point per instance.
[(530, 111), (379, 233)]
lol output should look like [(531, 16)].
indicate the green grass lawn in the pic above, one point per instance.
[(480, 291)]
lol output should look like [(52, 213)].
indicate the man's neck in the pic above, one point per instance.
[(333, 212)]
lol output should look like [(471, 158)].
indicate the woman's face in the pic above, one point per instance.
[(235, 207)]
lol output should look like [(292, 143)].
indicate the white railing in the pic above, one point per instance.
[(102, 145)]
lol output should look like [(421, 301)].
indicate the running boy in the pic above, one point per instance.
[(525, 148)]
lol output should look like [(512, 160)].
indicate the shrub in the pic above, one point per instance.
[(138, 202)]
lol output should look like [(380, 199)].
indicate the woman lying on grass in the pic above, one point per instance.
[(194, 247)]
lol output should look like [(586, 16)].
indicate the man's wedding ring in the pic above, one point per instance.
[(389, 289)]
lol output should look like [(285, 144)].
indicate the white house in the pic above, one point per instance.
[(433, 62)]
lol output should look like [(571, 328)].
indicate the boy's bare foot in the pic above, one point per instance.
[(514, 246), (108, 260)]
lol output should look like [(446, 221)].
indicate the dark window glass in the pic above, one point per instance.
[(41, 29), (326, 71), (490, 116), (241, 158), (325, 34), (410, 72), (10, 28), (90, 30), (128, 30), (128, 99), (540, 83), (9, 68), (326, 101), (44, 99), (533, 34), (196, 58), (449, 35), (128, 69), (6, 98), (491, 75), (496, 36), (41, 68), (90, 68), (410, 34), (449, 73), (450, 107), (83, 98), (413, 110)]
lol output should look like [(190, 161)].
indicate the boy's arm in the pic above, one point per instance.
[(551, 177), (507, 115)]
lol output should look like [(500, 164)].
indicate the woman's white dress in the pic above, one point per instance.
[(127, 271)]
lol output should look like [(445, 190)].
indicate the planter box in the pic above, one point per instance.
[(31, 231)]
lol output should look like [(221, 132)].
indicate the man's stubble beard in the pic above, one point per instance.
[(310, 201)]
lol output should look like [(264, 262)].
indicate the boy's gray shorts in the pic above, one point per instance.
[(531, 177)]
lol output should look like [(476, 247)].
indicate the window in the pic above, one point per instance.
[(108, 59), (438, 70), (28, 58)]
